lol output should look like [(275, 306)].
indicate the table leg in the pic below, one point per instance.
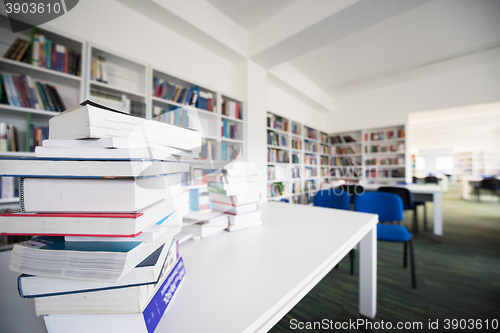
[(368, 274), (438, 214)]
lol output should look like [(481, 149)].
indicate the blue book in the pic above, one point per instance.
[(146, 272), (145, 322), (52, 256)]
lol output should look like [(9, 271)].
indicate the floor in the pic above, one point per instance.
[(457, 277)]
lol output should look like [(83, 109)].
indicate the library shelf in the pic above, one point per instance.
[(231, 119), (346, 144), (13, 109), (275, 130), (17, 154), (9, 200), (231, 140), (116, 89), (32, 70), (390, 153), (188, 107)]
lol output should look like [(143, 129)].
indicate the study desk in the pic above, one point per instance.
[(423, 193), (465, 185), (245, 281)]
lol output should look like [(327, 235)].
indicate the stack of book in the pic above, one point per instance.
[(104, 257), (203, 224), (235, 192)]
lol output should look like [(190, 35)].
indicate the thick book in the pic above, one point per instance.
[(81, 168), (91, 120), (95, 195), (236, 200), (146, 272), (235, 209), (232, 189), (150, 234), (145, 322), (236, 220), (154, 153), (94, 261), (89, 224), (248, 225), (202, 229), (127, 300)]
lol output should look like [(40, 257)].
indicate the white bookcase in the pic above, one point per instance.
[(346, 157), (299, 174), (126, 78)]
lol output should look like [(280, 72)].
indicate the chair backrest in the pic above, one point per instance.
[(332, 198), (404, 193), (431, 180), (352, 190), (491, 183), (388, 206)]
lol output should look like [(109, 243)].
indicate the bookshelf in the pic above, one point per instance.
[(384, 155), (123, 83), (304, 169), (376, 155)]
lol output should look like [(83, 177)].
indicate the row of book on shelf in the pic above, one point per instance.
[(41, 51), (310, 159), (23, 91), (311, 133), (345, 151), (277, 156), (393, 148), (339, 139), (177, 116), (99, 70), (385, 135), (185, 96), (230, 130), (385, 161), (232, 109), (122, 215), (296, 144), (276, 139), (278, 123), (375, 173), (343, 161), (278, 172), (119, 102), (9, 137)]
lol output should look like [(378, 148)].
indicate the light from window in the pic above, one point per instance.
[(444, 163), (420, 164)]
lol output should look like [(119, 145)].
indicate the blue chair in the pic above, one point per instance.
[(389, 208), (336, 199)]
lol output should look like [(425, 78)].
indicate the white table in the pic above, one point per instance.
[(246, 281), (465, 185), (423, 193)]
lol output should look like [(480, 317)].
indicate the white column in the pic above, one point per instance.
[(368, 274), (438, 213), (256, 113)]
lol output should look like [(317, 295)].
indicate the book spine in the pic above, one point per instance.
[(160, 301), (21, 198)]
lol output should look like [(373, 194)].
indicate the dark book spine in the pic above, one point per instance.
[(57, 98), (46, 89)]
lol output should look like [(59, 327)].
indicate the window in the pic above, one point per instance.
[(420, 163), (444, 163)]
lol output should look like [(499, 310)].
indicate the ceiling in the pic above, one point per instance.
[(250, 13), (333, 44)]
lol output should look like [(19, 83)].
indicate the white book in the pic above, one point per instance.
[(234, 210), (205, 229), (89, 224), (93, 261), (93, 121), (50, 167), (131, 299), (152, 153), (146, 272), (235, 200), (248, 225), (150, 234), (96, 195), (145, 322), (236, 220)]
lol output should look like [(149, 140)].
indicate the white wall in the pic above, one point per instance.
[(115, 26), (287, 105), (467, 80), (430, 156)]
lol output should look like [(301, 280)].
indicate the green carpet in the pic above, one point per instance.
[(458, 276)]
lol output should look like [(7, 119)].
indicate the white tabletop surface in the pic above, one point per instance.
[(240, 281)]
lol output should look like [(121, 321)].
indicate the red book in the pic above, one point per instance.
[(66, 58)]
